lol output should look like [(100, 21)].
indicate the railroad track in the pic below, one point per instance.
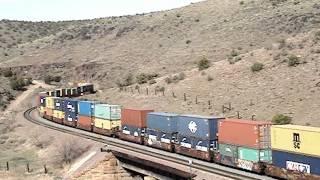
[(175, 158)]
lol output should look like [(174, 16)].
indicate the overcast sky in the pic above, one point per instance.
[(54, 10)]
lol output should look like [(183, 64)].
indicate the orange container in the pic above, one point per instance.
[(247, 133), (49, 112), (134, 117), (85, 122)]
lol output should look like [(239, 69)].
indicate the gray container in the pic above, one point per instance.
[(163, 122), (202, 127)]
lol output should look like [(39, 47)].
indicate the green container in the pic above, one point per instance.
[(254, 155), (228, 150), (107, 111)]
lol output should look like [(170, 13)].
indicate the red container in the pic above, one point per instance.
[(134, 117), (85, 123), (254, 134)]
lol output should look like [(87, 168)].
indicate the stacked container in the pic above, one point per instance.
[(58, 111), (41, 104), (197, 136), (296, 148), (86, 115), (49, 107), (71, 112), (107, 119), (161, 130), (244, 144), (133, 124)]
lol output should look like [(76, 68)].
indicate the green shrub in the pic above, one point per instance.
[(209, 78), (281, 119), (144, 78), (257, 67), (168, 80), (204, 63), (17, 84), (47, 79), (152, 81), (7, 73), (293, 60), (127, 81), (234, 53), (241, 3)]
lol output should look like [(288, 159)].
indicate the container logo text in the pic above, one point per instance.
[(296, 140), (294, 166), (193, 127)]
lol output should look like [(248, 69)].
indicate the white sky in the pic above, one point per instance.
[(54, 10)]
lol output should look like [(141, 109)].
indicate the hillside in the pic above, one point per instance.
[(114, 50)]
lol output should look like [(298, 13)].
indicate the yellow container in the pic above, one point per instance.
[(58, 114), (294, 138), (106, 124), (41, 109), (50, 102)]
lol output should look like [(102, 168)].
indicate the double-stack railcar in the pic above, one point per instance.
[(284, 151)]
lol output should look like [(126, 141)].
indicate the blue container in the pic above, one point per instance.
[(71, 116), (198, 144), (163, 122), (71, 105), (59, 104), (160, 136), (86, 108), (297, 162), (42, 100), (133, 131), (201, 127)]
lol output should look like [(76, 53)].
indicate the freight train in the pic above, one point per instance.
[(284, 151)]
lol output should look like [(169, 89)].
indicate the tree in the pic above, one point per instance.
[(281, 119)]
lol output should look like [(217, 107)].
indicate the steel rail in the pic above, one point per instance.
[(234, 174)]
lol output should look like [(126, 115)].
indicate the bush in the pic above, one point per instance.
[(152, 81), (18, 84), (234, 53), (47, 79), (257, 67), (281, 119), (127, 81), (293, 60), (7, 73), (71, 150), (168, 80), (209, 78), (144, 78), (204, 63)]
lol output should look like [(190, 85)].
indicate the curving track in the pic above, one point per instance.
[(32, 116)]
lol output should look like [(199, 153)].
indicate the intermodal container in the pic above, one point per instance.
[(42, 109), (63, 92), (42, 100), (134, 117), (70, 116), (50, 102), (58, 114), (198, 126), (71, 105), (59, 104), (49, 112), (162, 121), (106, 124), (255, 134), (86, 108), (197, 144), (228, 150), (254, 155), (58, 92), (68, 92), (131, 130), (85, 122), (74, 92), (296, 162), (107, 111), (294, 138)]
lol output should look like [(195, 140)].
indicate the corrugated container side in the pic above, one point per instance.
[(228, 150), (71, 105), (58, 114), (255, 134), (42, 101), (42, 109), (134, 117), (106, 111), (298, 139), (85, 122), (296, 162), (106, 124), (254, 155), (195, 143), (50, 102), (164, 122), (198, 126), (86, 108), (131, 130), (70, 116), (59, 104), (49, 112)]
